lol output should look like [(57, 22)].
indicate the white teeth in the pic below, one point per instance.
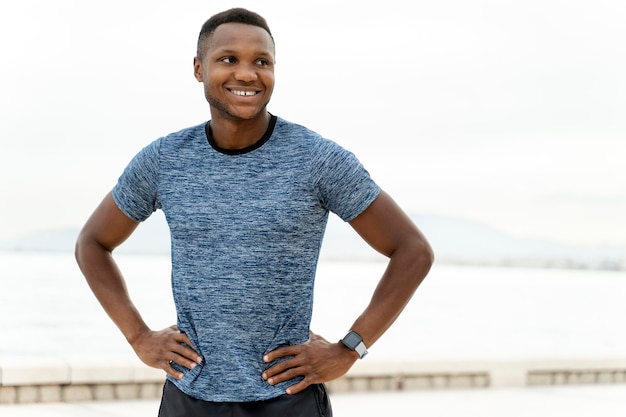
[(243, 93)]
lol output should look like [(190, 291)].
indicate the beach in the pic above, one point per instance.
[(497, 339)]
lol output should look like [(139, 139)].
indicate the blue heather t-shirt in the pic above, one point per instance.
[(246, 229)]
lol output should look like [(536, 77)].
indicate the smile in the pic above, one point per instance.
[(243, 93)]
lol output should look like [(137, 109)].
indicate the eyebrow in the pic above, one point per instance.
[(235, 52)]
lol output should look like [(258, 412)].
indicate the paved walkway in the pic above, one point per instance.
[(579, 401)]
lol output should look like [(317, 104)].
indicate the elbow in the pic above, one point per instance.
[(86, 247), (422, 255), (416, 253), (428, 252), (425, 254), (79, 248)]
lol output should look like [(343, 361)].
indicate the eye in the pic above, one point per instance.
[(228, 60), (263, 62)]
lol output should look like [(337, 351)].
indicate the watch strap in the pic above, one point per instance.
[(354, 341)]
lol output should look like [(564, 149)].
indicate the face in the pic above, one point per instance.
[(237, 71)]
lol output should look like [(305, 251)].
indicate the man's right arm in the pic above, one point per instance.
[(106, 229)]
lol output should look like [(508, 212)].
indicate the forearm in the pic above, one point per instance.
[(107, 283), (320, 361), (407, 268)]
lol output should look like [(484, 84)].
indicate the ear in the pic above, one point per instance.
[(197, 69)]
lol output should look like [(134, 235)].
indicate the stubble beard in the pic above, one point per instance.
[(224, 109)]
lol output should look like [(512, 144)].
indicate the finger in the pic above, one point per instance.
[(281, 352), (182, 361), (300, 386), (188, 354), (280, 367), (182, 338), (186, 351), (285, 376), (171, 371)]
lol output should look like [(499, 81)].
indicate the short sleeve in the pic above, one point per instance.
[(344, 185), (136, 190)]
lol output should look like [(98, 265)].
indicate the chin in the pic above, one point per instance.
[(246, 115)]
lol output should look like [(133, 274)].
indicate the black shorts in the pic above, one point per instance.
[(312, 402)]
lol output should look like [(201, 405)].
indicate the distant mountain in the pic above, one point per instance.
[(460, 241), (453, 240), (152, 236)]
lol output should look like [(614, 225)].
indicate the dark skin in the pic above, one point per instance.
[(238, 76), (107, 228)]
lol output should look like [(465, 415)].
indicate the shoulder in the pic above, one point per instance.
[(303, 137), (176, 146), (189, 135), (294, 130), (167, 148)]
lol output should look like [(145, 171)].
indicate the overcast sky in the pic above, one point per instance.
[(510, 113)]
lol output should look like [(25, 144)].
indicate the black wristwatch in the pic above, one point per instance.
[(354, 341)]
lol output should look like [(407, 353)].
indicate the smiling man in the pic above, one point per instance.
[(247, 197)]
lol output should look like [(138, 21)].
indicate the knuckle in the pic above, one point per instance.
[(280, 367)]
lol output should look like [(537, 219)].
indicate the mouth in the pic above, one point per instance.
[(244, 93)]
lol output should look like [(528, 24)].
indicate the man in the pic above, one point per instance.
[(247, 197)]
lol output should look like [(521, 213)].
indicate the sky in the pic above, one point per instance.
[(506, 113)]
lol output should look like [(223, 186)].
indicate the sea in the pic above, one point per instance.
[(458, 313)]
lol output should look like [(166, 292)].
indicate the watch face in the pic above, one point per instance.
[(352, 340)]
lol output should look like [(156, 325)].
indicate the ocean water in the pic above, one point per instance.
[(458, 313)]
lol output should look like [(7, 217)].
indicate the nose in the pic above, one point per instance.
[(245, 73)]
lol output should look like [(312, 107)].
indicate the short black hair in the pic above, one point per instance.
[(235, 15)]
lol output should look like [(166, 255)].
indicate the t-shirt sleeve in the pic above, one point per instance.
[(344, 185), (136, 190)]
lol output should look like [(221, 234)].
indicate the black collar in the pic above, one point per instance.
[(266, 136)]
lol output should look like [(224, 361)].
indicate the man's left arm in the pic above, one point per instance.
[(387, 229)]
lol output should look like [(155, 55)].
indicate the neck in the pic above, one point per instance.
[(239, 134)]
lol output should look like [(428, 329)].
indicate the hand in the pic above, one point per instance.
[(317, 361), (159, 348)]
